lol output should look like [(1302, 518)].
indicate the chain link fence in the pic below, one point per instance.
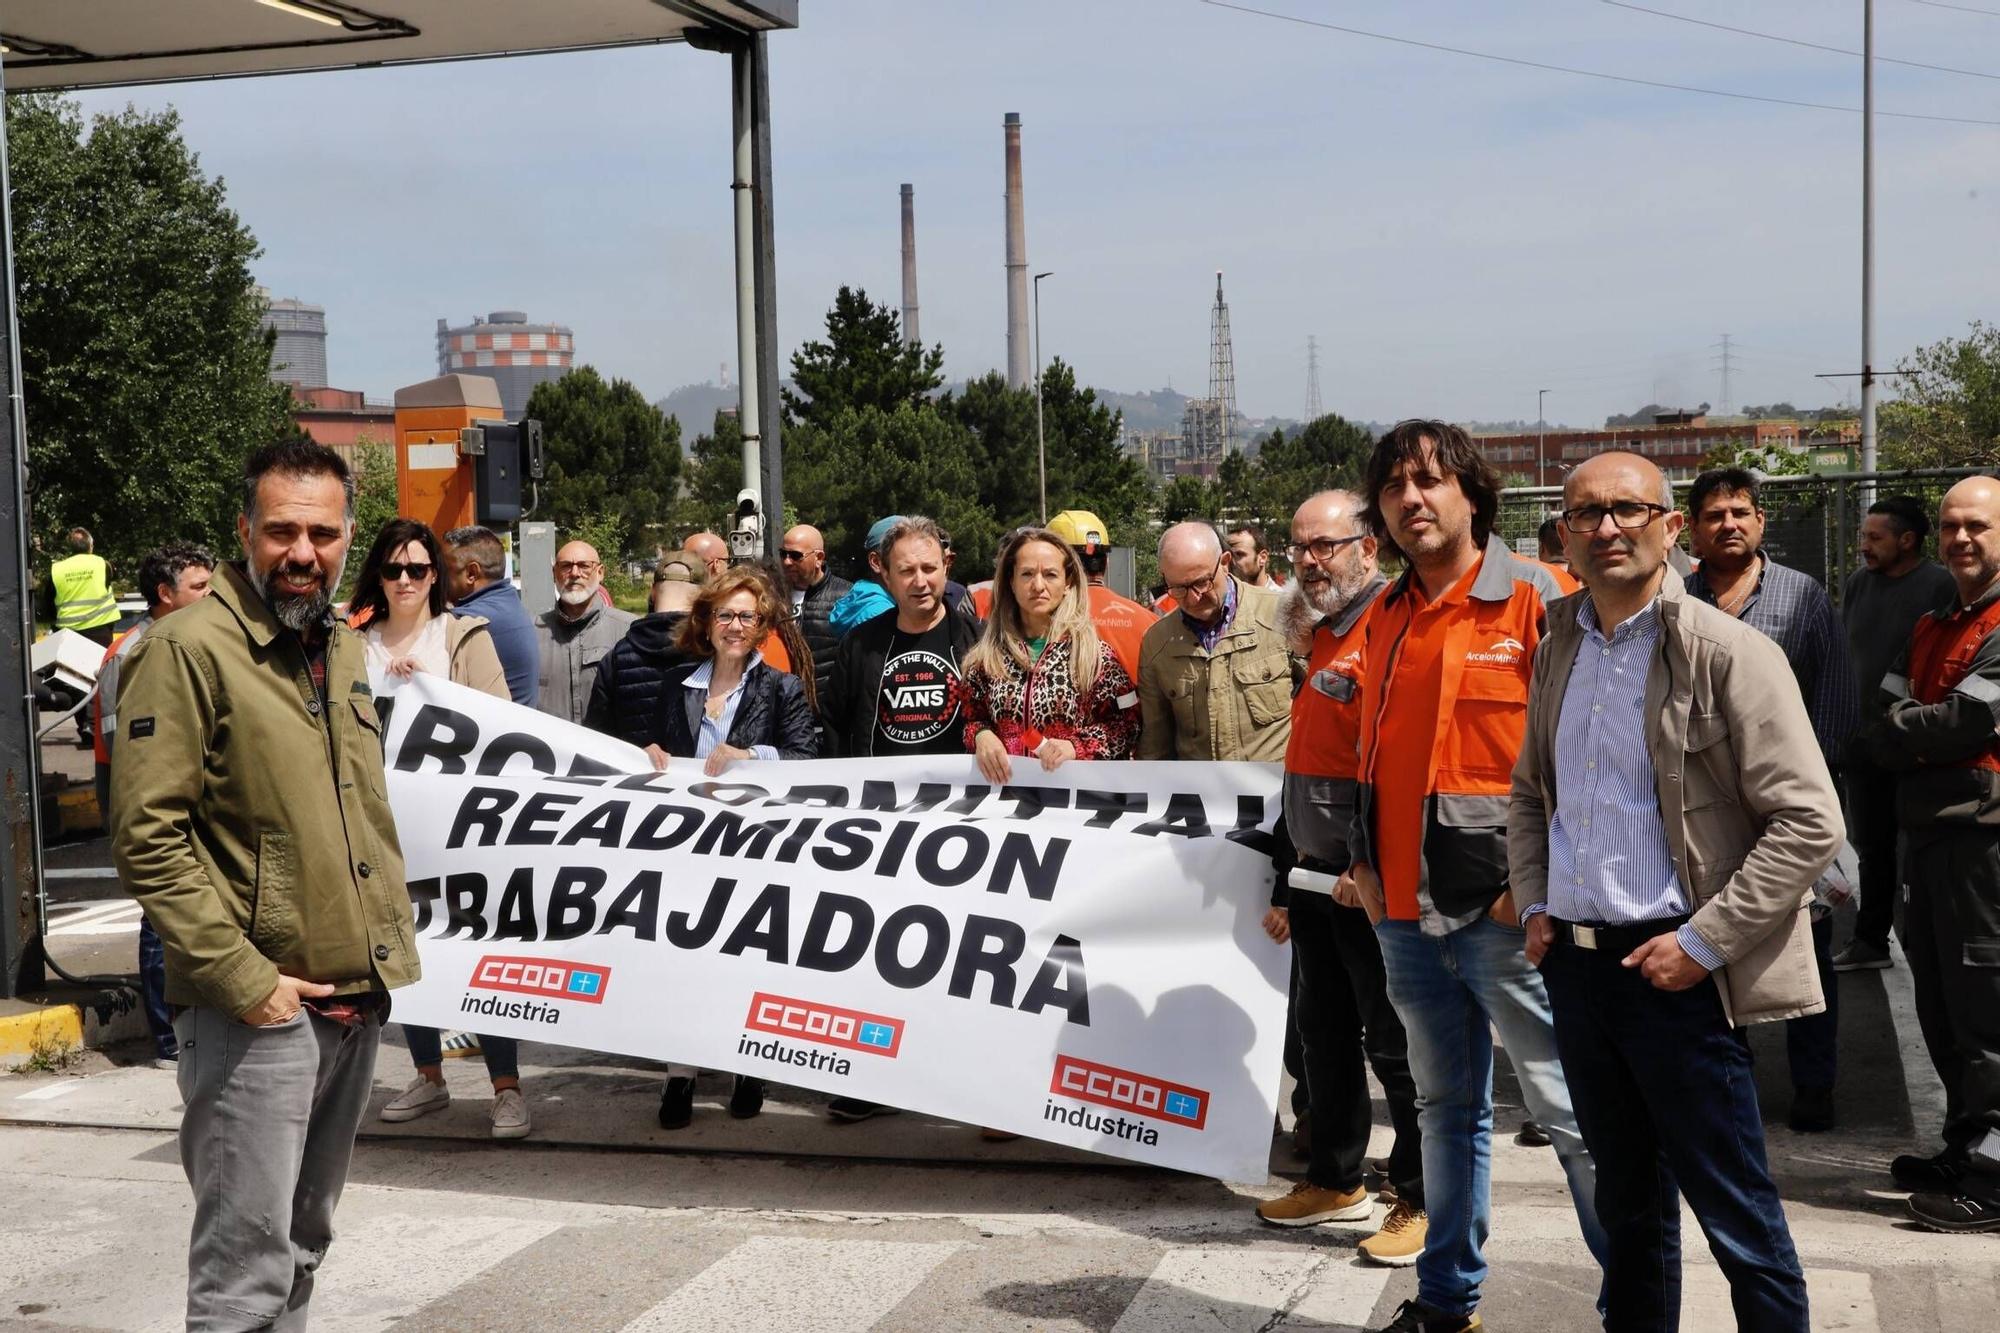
[(1810, 522)]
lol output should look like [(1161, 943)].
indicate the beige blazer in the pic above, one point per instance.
[(1232, 703), (1751, 813)]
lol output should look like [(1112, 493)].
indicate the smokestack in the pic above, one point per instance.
[(1020, 373), (910, 266)]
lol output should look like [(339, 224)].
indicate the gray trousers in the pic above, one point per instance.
[(265, 1141)]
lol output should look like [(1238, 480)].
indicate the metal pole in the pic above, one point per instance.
[(1541, 439), (1868, 240), (765, 253), (1041, 441), (20, 768), (743, 194)]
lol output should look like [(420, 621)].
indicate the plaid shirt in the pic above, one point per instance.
[(1794, 611)]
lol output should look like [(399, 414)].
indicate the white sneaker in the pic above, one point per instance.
[(510, 1114), (420, 1098)]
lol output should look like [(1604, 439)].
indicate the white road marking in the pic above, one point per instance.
[(1221, 1288), (780, 1285), (51, 1092), (81, 872)]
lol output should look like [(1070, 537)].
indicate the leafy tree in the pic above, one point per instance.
[(375, 501), (145, 373), (1001, 424), (710, 479), (863, 362), (1187, 497), (611, 454), (1769, 462), (1947, 413), (1088, 467)]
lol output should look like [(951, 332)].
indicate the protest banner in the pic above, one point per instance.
[(1075, 956)]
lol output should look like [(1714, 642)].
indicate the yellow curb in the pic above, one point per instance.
[(59, 1026)]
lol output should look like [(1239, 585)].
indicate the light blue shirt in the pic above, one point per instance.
[(1609, 859), (714, 731)]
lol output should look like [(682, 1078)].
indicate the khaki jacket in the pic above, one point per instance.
[(250, 819), (1233, 703), (1751, 814)]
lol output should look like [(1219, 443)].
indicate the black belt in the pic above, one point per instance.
[(1621, 938)]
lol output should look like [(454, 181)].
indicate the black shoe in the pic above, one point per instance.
[(1929, 1175), (1416, 1317), (848, 1110), (746, 1099), (1954, 1212), (677, 1103), (1812, 1110), (1533, 1135)]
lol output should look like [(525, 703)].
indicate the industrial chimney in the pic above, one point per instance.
[(1020, 371), (910, 266)]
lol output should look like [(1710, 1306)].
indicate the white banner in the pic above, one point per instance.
[(1076, 956)]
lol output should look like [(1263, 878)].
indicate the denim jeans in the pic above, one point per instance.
[(153, 987), (1451, 992), (503, 1054), (1667, 1102)]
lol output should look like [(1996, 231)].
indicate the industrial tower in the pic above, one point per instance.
[(1222, 367), (1313, 410)]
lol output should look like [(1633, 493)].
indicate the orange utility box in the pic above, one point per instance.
[(434, 479)]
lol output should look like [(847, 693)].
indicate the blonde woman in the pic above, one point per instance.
[(1039, 682)]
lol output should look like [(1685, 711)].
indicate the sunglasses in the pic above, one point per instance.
[(789, 555), (418, 571)]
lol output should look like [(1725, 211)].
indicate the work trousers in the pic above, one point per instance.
[(1951, 934), (1812, 1043), (1667, 1102), (1872, 828), (1346, 1024), (265, 1142)]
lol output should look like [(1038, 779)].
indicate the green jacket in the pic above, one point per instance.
[(250, 819), (1232, 703)]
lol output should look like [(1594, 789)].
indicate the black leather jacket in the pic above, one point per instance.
[(772, 712)]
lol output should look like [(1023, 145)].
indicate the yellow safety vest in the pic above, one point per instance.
[(83, 593)]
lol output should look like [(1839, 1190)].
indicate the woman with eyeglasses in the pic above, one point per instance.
[(726, 705), (1040, 683), (399, 606)]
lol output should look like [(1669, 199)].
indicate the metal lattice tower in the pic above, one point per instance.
[(1726, 363), (1222, 367), (1313, 410)]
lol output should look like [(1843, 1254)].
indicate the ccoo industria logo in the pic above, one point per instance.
[(829, 1025), (541, 978), (1124, 1090)]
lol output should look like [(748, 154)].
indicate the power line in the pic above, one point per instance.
[(1798, 41), (1591, 73), (1963, 9)]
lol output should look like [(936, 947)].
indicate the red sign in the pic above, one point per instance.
[(538, 976), (1124, 1090), (827, 1024)]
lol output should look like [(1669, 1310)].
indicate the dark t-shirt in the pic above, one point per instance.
[(1880, 612), (916, 709)]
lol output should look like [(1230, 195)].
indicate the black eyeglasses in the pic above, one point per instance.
[(1322, 548), (417, 570), (1629, 515), (747, 619), (1180, 592)]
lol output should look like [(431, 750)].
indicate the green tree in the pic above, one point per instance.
[(1088, 467), (710, 479), (866, 462), (611, 455), (863, 362), (376, 501), (1947, 410), (1187, 497), (1001, 423), (145, 374)]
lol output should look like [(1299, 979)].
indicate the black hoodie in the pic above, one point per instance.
[(625, 699)]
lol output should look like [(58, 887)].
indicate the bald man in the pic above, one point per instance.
[(1659, 927), (814, 594), (1941, 736), (575, 634), (714, 551)]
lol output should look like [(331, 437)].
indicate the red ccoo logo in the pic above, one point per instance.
[(826, 1024), (1123, 1090), (538, 976)]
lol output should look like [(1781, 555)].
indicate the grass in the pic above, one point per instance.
[(50, 1053)]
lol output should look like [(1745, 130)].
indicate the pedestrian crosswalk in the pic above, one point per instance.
[(107, 916)]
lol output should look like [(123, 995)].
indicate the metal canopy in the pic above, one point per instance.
[(60, 44)]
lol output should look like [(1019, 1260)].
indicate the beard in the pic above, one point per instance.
[(1330, 596), (575, 596), (298, 612)]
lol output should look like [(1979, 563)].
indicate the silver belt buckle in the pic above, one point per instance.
[(1586, 936)]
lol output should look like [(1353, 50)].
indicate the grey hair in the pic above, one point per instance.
[(910, 525)]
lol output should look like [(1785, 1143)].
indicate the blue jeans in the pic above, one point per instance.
[(1451, 991), (503, 1054), (153, 988), (1667, 1102)]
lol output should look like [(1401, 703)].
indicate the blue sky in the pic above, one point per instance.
[(1457, 232)]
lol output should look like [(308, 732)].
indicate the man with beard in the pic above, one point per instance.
[(250, 821), (1670, 813), (1444, 691), (576, 633), (1789, 607), (1340, 994), (1881, 603), (478, 587)]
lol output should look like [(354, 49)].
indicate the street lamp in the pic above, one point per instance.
[(1541, 440), (1041, 443)]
